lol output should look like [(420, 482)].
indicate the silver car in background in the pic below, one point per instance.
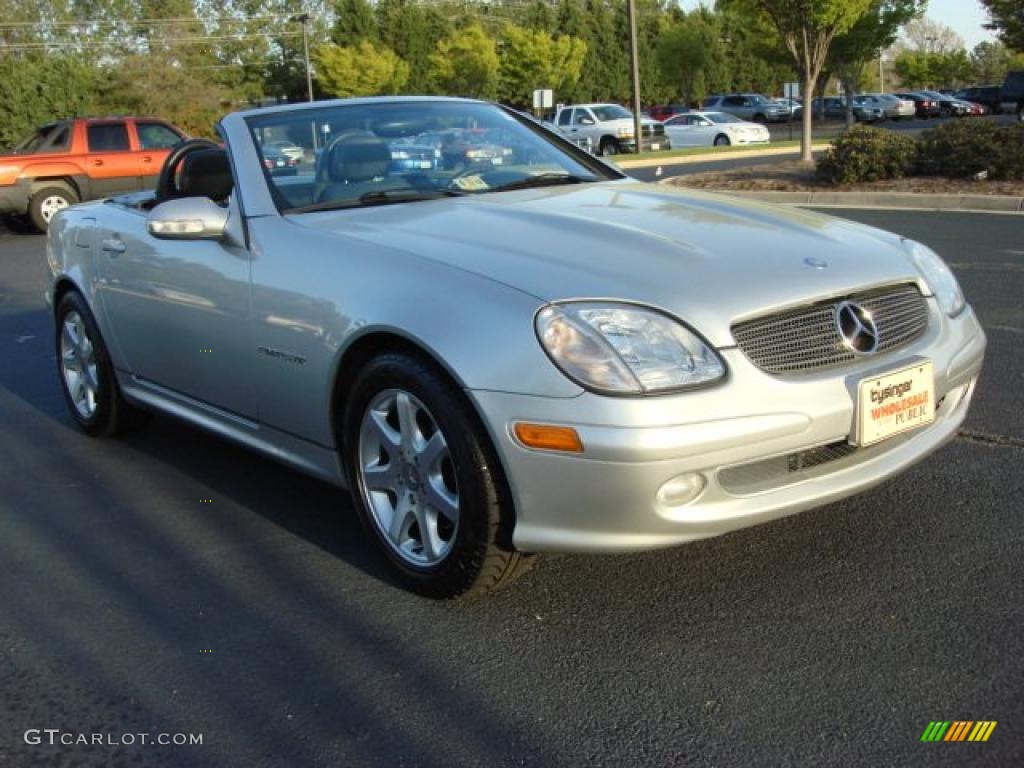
[(498, 361), (894, 107)]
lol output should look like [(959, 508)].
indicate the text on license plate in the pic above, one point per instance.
[(895, 402)]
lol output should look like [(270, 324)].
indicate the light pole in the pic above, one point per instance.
[(303, 19), (881, 73), (634, 63)]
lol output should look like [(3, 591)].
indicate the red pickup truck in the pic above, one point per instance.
[(68, 161)]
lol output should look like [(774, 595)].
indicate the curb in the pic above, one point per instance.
[(704, 157), (891, 200)]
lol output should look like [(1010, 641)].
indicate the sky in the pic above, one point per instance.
[(965, 16)]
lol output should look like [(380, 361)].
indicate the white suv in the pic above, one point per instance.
[(610, 128)]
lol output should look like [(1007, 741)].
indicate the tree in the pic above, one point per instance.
[(806, 29), (991, 61), (875, 30), (1007, 19), (932, 36), (682, 55), (360, 70), (466, 64), (353, 22), (35, 90), (534, 59)]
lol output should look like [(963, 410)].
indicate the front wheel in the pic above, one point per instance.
[(608, 146), (721, 140), (46, 203), (426, 482)]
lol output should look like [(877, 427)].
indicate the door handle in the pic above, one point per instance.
[(147, 159), (114, 246), (97, 162)]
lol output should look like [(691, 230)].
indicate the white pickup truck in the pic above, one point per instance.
[(610, 128)]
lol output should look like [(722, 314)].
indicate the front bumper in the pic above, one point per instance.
[(606, 499), (14, 198)]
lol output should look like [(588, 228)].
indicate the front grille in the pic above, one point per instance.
[(657, 130), (807, 339)]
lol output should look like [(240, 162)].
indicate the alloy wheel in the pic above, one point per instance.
[(407, 478), (78, 365), (49, 206)]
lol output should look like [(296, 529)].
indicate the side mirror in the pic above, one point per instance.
[(586, 120), (188, 218)]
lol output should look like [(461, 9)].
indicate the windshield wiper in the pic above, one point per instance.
[(543, 180), (380, 197)]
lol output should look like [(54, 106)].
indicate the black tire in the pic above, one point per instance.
[(721, 140), (41, 204), (760, 119), (609, 146), (481, 557), (112, 413), (19, 223)]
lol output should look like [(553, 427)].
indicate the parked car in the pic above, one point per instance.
[(894, 107), (748, 106), (924, 106), (288, 148), (718, 129), (550, 357), (463, 148), (795, 107), (610, 127), (278, 163), (64, 162), (948, 106), (986, 95), (1011, 95), (663, 112), (834, 108)]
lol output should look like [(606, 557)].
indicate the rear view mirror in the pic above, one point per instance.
[(188, 218)]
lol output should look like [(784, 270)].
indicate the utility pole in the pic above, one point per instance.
[(303, 19), (634, 62), (881, 73)]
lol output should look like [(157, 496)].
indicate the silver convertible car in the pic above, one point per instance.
[(498, 360)]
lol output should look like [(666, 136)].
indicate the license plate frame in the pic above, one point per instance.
[(885, 401)]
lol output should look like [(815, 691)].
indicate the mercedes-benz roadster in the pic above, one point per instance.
[(506, 352)]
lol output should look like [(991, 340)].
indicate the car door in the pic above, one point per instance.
[(179, 309), (111, 164), (582, 128), (154, 140), (735, 105), (680, 131)]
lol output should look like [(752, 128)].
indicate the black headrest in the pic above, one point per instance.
[(206, 173), (358, 156)]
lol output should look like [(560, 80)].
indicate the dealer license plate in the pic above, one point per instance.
[(895, 402), (655, 147)]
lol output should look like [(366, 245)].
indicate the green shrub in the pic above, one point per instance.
[(867, 154), (963, 148)]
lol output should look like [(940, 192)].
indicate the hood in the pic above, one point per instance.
[(710, 260)]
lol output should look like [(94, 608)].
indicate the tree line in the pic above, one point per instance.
[(189, 61)]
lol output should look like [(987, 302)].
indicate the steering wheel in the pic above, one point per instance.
[(166, 187)]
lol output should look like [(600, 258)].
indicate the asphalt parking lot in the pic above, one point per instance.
[(169, 582)]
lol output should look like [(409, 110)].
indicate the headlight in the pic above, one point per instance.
[(938, 276), (625, 133), (624, 349)]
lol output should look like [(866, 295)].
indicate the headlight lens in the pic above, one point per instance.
[(625, 133), (623, 349), (938, 276)]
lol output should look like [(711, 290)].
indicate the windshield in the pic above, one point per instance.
[(611, 112), (50, 138), (384, 152), (722, 117)]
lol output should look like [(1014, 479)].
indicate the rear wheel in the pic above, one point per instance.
[(721, 140), (426, 483), (86, 374), (47, 202)]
